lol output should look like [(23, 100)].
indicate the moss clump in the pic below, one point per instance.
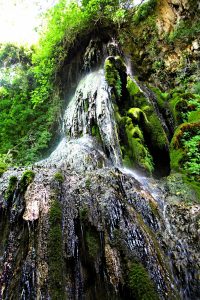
[(26, 179), (132, 87), (86, 105), (112, 75), (11, 187), (88, 183), (194, 116), (58, 176), (55, 252), (138, 116), (92, 241), (134, 150), (137, 98), (95, 132), (161, 97), (83, 213), (157, 135), (140, 283)]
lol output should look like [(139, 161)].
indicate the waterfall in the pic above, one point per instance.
[(89, 128)]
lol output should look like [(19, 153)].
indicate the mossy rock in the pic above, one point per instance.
[(95, 132), (161, 97), (182, 186), (132, 87), (140, 283), (138, 116), (137, 98), (157, 134), (58, 176), (26, 179), (112, 76), (11, 187), (137, 151), (55, 256), (92, 241)]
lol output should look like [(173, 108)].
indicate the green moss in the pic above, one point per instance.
[(161, 97), (112, 76), (83, 213), (86, 105), (88, 183), (138, 116), (140, 283), (95, 132), (137, 151), (154, 208), (183, 188), (132, 87), (26, 179), (11, 187), (58, 176), (157, 134), (193, 185), (92, 241), (176, 157), (137, 98), (55, 255)]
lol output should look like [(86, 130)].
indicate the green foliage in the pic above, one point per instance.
[(140, 283), (58, 176), (185, 31), (185, 149), (26, 179), (55, 252), (185, 107), (192, 146), (5, 162), (196, 88), (144, 11), (11, 54), (25, 131)]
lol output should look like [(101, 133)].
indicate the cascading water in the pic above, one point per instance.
[(110, 224), (89, 126)]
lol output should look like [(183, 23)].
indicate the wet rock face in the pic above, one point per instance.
[(108, 220)]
